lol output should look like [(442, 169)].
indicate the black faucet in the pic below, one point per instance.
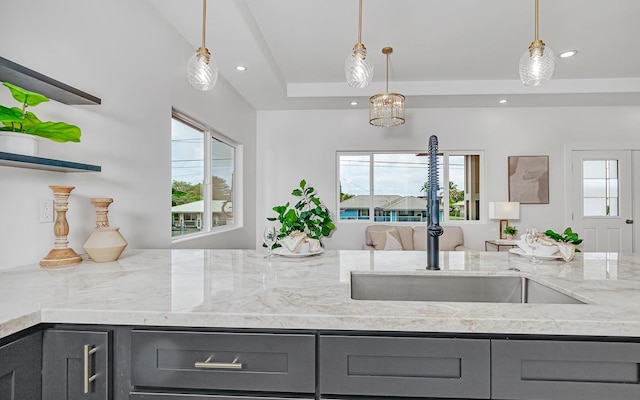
[(434, 230)]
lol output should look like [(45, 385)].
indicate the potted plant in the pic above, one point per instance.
[(567, 242), (510, 232), (308, 215), (18, 120)]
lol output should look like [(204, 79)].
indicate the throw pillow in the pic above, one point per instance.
[(392, 242), (386, 240)]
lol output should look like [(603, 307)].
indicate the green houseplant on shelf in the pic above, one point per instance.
[(308, 215), (19, 120)]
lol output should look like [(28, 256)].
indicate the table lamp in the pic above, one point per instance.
[(504, 211)]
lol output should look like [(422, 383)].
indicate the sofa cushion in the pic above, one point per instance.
[(415, 238), (386, 240), (452, 239), (405, 232), (420, 238)]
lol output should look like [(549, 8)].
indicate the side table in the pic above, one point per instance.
[(500, 243)]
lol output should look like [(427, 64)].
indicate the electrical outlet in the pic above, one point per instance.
[(45, 211)]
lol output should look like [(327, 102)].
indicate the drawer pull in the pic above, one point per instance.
[(218, 365), (88, 367)]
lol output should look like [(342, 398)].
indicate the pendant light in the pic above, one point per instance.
[(202, 70), (386, 109), (358, 70), (538, 62)]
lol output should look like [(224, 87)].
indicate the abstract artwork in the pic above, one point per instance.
[(529, 179)]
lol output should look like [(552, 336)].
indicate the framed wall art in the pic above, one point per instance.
[(529, 179)]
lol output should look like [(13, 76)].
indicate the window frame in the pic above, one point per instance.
[(236, 183), (444, 174)]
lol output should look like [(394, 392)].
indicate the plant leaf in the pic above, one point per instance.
[(56, 131), (297, 192), (303, 183), (24, 96), (9, 115)]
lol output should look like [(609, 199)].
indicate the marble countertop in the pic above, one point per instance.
[(241, 289)]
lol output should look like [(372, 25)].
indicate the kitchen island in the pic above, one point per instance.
[(230, 324), (241, 289)]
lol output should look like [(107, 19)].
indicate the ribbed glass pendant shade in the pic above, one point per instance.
[(537, 64), (202, 70), (358, 70), (386, 110)]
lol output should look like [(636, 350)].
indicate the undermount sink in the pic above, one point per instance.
[(448, 288)]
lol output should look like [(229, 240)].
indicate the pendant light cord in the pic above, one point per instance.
[(387, 72), (204, 22), (536, 20), (360, 23)]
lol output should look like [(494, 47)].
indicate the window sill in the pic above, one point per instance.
[(216, 231)]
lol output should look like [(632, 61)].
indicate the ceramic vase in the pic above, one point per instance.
[(61, 255), (105, 243)]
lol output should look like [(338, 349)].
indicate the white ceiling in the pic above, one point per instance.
[(447, 53)]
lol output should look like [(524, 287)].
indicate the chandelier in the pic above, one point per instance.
[(386, 109)]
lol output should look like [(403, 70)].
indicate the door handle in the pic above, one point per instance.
[(629, 221)]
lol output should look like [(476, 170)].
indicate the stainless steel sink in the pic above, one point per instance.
[(461, 288)]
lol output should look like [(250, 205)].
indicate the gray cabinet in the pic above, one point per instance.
[(215, 361), (173, 396), (565, 370), (76, 365), (20, 368), (404, 366)]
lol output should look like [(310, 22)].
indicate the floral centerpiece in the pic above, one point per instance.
[(307, 219)]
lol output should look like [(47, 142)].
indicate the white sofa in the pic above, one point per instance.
[(410, 238)]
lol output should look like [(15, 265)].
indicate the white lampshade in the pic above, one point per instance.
[(504, 210)]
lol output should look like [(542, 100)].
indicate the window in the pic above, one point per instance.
[(600, 186), (392, 187), (203, 165)]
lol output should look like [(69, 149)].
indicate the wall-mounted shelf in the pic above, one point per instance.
[(36, 82), (46, 164)]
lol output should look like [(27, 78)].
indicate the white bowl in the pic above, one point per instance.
[(542, 250)]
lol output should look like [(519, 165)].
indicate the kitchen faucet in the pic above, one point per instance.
[(434, 230)]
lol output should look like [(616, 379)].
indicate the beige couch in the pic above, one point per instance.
[(410, 238)]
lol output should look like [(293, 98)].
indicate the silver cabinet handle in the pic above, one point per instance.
[(218, 365), (87, 378)]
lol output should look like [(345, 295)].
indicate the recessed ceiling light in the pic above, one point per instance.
[(354, 103), (502, 101), (568, 53), (241, 68)]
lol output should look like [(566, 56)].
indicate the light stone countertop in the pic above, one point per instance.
[(240, 289)]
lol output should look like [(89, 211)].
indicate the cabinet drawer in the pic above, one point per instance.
[(401, 366), (549, 370), (223, 361), (178, 396)]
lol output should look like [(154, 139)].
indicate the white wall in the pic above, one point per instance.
[(302, 144), (125, 53)]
